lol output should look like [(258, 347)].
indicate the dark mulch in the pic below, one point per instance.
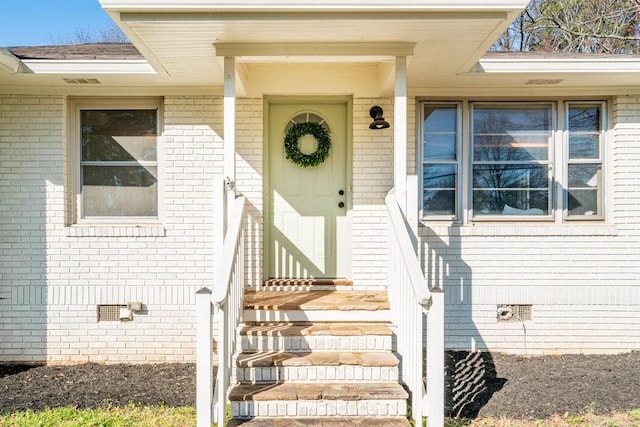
[(94, 385), (478, 383), (537, 387)]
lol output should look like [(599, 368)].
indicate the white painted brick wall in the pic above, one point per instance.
[(582, 279), (30, 204), (53, 279), (372, 180), (249, 170)]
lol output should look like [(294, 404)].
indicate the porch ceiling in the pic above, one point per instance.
[(179, 39)]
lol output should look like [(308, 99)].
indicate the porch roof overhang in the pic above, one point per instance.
[(185, 40), (318, 47), (549, 74)]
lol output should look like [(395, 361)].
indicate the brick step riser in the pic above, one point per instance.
[(325, 422), (319, 408), (250, 344), (298, 288), (250, 315), (316, 374)]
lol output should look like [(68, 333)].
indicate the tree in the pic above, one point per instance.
[(83, 35), (581, 26)]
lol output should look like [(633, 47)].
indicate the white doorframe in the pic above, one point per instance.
[(268, 101)]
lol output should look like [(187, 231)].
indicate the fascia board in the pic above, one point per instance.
[(39, 66), (356, 52), (568, 65), (289, 5), (9, 62)]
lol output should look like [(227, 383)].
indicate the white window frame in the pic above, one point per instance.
[(558, 160), (458, 161), (550, 162), (74, 155), (601, 161)]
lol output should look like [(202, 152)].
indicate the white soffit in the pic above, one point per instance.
[(178, 36), (88, 67), (183, 46), (610, 64)]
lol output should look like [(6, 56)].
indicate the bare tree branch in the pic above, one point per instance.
[(84, 35), (593, 26)]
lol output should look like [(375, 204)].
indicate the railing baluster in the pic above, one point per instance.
[(204, 358), (227, 298), (409, 298)]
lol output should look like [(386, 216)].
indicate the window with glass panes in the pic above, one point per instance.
[(584, 157), (511, 147), (118, 162), (516, 155), (440, 159)]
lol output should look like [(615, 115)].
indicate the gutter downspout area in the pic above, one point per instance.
[(9, 63)]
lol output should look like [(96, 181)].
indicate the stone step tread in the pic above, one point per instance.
[(318, 391), (319, 422), (317, 358), (307, 282), (316, 300), (308, 329)]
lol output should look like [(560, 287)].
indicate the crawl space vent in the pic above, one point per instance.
[(83, 81), (109, 312), (514, 312)]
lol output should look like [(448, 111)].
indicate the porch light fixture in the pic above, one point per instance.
[(378, 121)]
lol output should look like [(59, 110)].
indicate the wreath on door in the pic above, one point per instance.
[(292, 146)]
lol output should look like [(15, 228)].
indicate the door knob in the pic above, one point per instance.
[(341, 192), (341, 205)]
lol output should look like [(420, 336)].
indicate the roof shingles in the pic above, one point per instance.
[(90, 51)]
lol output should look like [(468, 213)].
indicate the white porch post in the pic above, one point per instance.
[(204, 358), (435, 359), (400, 134), (230, 127)]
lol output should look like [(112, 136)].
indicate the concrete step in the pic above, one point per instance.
[(315, 306), (305, 337), (322, 366), (323, 422), (318, 400)]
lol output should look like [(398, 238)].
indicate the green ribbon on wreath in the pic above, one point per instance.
[(292, 148)]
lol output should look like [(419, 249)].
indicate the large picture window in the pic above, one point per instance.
[(117, 158), (518, 157), (511, 147)]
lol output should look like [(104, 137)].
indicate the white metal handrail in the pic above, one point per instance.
[(410, 298), (226, 303)]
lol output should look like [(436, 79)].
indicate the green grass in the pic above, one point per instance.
[(131, 415), (161, 416)]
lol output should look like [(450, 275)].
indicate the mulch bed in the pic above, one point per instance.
[(537, 387), (95, 385), (479, 384)]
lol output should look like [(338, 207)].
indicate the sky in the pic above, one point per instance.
[(41, 22)]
